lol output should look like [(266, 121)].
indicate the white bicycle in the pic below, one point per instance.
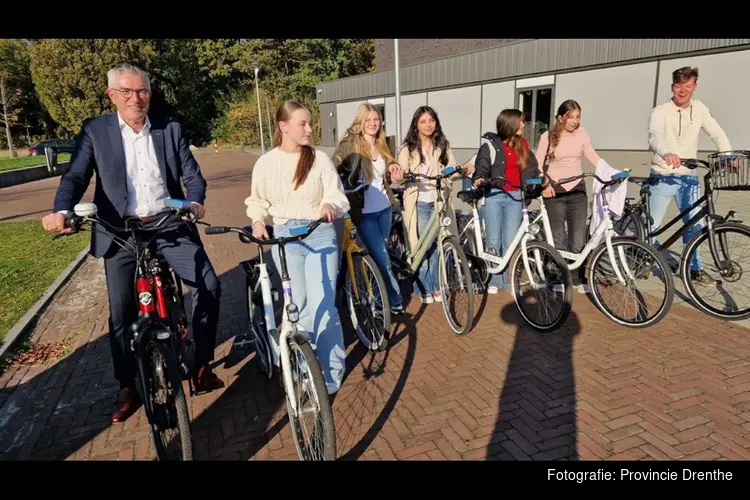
[(299, 366), (526, 254), (632, 263)]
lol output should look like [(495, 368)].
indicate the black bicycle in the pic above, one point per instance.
[(159, 338), (726, 171)]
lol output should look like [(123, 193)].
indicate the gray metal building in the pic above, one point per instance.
[(617, 83)]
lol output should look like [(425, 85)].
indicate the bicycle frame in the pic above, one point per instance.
[(707, 211), (436, 228), (278, 340), (604, 229), (527, 229), (351, 247)]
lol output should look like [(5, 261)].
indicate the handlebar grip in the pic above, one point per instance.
[(565, 180), (178, 204), (216, 230)]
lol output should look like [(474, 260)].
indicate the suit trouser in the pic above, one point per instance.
[(182, 249)]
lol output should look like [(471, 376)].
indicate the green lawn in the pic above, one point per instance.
[(29, 161), (29, 262)]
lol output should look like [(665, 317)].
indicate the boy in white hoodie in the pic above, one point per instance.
[(673, 132)]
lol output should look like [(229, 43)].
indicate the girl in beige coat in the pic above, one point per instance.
[(425, 150)]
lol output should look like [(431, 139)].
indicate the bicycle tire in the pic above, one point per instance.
[(451, 241), (601, 252), (376, 344), (174, 378), (298, 342), (264, 358), (516, 263), (629, 219), (691, 246)]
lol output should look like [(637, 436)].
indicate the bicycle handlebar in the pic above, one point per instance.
[(444, 174), (488, 182), (298, 233), (693, 163), (359, 187), (616, 178), (86, 212)]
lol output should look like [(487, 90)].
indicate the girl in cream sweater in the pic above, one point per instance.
[(293, 185)]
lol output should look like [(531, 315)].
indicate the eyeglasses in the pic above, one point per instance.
[(128, 93)]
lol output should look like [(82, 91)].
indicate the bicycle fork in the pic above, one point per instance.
[(291, 316)]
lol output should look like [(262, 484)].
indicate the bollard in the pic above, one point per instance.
[(242, 147), (51, 156)]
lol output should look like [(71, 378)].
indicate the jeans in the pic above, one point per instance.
[(374, 229), (685, 190), (428, 270), (569, 209), (501, 215), (313, 265)]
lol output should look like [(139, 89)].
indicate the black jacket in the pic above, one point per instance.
[(483, 169)]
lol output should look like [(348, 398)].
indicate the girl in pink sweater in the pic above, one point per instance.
[(559, 152)]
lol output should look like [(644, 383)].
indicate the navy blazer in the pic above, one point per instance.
[(99, 149)]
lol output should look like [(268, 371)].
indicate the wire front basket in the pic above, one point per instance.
[(730, 170)]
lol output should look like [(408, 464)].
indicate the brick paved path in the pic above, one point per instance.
[(592, 390)]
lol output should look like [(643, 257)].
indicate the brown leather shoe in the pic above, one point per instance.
[(206, 380), (127, 404)]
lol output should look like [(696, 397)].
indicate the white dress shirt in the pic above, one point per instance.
[(147, 190)]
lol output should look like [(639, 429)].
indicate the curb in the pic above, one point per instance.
[(33, 313)]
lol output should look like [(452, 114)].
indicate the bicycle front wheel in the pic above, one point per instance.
[(726, 296), (369, 307), (547, 305), (312, 427), (454, 279), (168, 407), (636, 262)]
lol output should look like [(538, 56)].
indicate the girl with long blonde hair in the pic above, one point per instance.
[(363, 156)]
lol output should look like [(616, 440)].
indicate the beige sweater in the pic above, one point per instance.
[(272, 190), (676, 131)]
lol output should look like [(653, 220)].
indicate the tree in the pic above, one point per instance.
[(15, 85), (70, 75)]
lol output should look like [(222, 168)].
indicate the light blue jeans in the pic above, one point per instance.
[(374, 229), (313, 265), (428, 270), (501, 215), (685, 190)]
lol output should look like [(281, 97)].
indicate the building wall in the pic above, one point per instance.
[(616, 101), (418, 50)]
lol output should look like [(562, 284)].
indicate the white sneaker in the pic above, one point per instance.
[(582, 288), (427, 299), (492, 289)]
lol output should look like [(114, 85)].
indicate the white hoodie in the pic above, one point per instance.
[(675, 130)]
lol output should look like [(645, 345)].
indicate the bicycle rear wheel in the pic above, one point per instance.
[(369, 308), (630, 224), (634, 259), (166, 406), (315, 439), (731, 289), (552, 301), (456, 279)]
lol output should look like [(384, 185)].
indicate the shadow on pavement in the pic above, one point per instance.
[(537, 407)]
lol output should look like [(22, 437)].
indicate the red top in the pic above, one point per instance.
[(512, 172)]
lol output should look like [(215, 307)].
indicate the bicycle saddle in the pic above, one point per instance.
[(470, 195)]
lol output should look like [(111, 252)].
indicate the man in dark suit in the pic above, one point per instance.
[(139, 161)]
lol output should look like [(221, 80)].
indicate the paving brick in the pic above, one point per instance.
[(501, 392)]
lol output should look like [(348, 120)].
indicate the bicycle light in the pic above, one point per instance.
[(85, 209), (292, 313), (534, 229)]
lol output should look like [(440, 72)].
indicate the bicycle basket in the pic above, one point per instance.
[(730, 170)]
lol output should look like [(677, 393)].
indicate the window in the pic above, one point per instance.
[(536, 104)]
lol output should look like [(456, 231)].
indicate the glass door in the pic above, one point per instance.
[(536, 105)]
